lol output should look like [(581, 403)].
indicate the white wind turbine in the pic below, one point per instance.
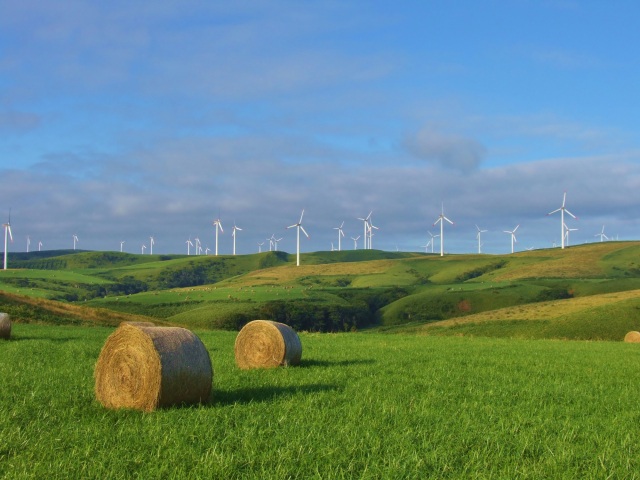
[(355, 242), (7, 235), (189, 245), (365, 228), (566, 233), (39, 246), (143, 248), (218, 224), (441, 219), (271, 241), (370, 229), (198, 246), (275, 243), (298, 226), (75, 240), (121, 244), (260, 247), (28, 243), (432, 241), (601, 235), (562, 211), (340, 233), (151, 242), (233, 234), (513, 236), (207, 250), (478, 236)]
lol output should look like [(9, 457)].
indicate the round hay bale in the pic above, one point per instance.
[(632, 337), (267, 344), (5, 326), (144, 368)]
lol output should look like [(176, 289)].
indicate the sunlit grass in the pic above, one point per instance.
[(359, 406)]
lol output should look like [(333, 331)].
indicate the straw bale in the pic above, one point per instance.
[(267, 344), (144, 368), (5, 326), (632, 337)]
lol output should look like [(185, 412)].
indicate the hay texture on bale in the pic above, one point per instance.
[(267, 344), (144, 368), (5, 326), (632, 337)]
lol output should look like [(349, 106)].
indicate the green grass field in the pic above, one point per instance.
[(359, 406)]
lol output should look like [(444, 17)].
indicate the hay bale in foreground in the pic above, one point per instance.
[(143, 368), (632, 337), (267, 344), (5, 326)]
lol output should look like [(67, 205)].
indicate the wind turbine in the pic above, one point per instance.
[(601, 235), (340, 233), (143, 248), (75, 239), (189, 245), (121, 244), (271, 241), (513, 236), (260, 247), (275, 242), (370, 229), (441, 219), (355, 242), (233, 234), (218, 224), (198, 246), (566, 233), (432, 239), (151, 242), (207, 250), (298, 226), (28, 242), (39, 246), (7, 235), (562, 211), (480, 232), (366, 224)]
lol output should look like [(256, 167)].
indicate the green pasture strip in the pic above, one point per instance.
[(359, 406)]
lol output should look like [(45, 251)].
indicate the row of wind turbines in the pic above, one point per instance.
[(367, 235)]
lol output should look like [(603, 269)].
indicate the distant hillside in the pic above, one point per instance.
[(337, 291)]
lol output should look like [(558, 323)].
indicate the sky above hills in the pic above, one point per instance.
[(125, 120)]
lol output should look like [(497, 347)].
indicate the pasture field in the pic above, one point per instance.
[(360, 405)]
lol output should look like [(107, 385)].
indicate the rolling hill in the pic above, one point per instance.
[(540, 293)]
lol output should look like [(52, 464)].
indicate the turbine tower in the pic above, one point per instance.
[(513, 236), (370, 229), (480, 232), (218, 224), (121, 244), (275, 243), (28, 243), (298, 226), (441, 219), (233, 234), (260, 247), (562, 211), (189, 245), (151, 242), (39, 246), (7, 235), (143, 248), (75, 240), (355, 242), (340, 233)]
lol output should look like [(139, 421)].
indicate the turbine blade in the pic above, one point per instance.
[(301, 215), (567, 211), (303, 231)]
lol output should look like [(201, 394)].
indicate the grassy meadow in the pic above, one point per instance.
[(360, 405)]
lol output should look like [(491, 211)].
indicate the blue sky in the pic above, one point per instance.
[(125, 120)]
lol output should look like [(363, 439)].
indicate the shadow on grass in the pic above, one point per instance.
[(265, 394), (335, 363)]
